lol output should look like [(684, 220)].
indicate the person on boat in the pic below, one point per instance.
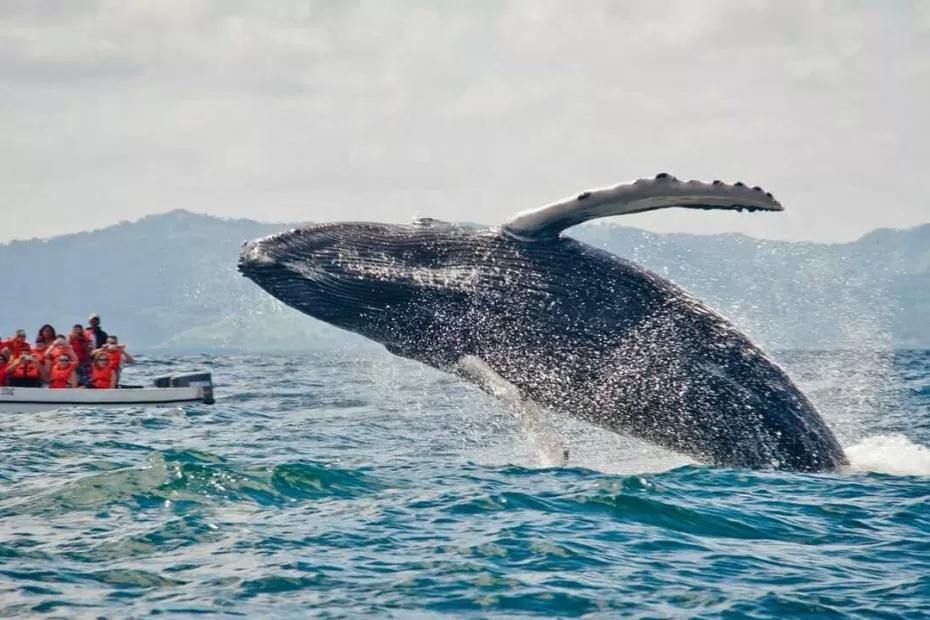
[(46, 332), (4, 362), (39, 351), (95, 332), (62, 374), (82, 347), (102, 373), (24, 372), (58, 347), (117, 354), (17, 344)]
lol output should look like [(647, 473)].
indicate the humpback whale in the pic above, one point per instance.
[(570, 327)]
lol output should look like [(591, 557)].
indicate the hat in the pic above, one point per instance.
[(94, 316)]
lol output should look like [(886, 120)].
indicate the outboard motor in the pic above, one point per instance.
[(192, 379)]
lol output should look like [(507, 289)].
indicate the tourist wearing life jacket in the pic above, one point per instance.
[(60, 346), (62, 374), (47, 332), (24, 372), (82, 346), (39, 354), (4, 362), (102, 373), (117, 354), (17, 344)]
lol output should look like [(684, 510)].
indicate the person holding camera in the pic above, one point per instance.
[(17, 344), (24, 372)]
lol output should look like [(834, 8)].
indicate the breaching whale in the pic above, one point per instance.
[(570, 327)]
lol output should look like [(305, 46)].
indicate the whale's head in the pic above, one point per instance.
[(373, 279)]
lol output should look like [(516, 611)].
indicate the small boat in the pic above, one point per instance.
[(168, 391)]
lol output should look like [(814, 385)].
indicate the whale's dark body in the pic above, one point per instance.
[(575, 329)]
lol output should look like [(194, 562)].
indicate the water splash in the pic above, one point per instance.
[(534, 420), (889, 454)]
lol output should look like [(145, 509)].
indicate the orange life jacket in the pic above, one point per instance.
[(59, 377), (53, 352), (26, 370), (116, 358), (102, 377), (39, 355), (17, 348)]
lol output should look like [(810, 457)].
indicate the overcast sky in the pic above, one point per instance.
[(297, 110)]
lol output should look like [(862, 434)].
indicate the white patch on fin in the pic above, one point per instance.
[(642, 195), (533, 419)]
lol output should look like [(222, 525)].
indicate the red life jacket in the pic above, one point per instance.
[(17, 348), (26, 370), (101, 378), (80, 348), (59, 377)]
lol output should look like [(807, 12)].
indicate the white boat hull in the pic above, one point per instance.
[(23, 400)]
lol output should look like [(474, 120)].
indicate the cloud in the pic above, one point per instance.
[(372, 110)]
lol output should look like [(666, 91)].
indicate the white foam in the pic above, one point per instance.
[(889, 454)]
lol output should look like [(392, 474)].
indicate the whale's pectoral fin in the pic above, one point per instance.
[(481, 374), (533, 418), (642, 195)]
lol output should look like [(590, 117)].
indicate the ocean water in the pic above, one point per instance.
[(359, 484)]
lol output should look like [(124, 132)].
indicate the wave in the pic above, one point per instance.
[(178, 476)]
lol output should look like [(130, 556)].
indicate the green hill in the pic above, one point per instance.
[(169, 282)]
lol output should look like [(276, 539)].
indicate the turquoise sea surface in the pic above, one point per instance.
[(351, 485)]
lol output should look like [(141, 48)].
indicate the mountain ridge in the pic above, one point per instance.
[(182, 212), (168, 281)]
